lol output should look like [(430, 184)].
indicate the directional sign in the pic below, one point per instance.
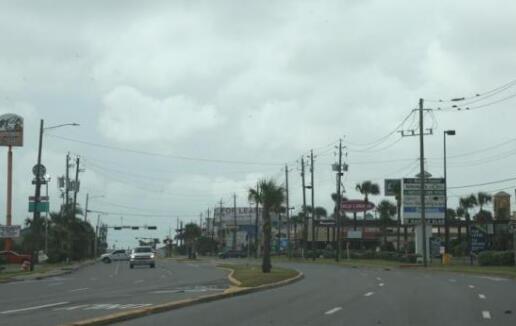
[(434, 198), (10, 231), (478, 238), (41, 198), (354, 206), (41, 207)]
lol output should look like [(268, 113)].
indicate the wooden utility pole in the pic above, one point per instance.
[(287, 211), (312, 186), (305, 216), (76, 186), (339, 204)]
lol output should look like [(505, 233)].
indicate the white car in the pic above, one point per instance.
[(142, 256), (117, 255)]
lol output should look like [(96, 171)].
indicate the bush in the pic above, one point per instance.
[(496, 258), (460, 249)]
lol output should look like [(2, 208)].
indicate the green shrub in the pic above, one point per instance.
[(409, 258), (460, 249), (496, 258)]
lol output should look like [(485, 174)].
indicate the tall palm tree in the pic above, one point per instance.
[(387, 210), (483, 198), (367, 188), (253, 196), (467, 203), (271, 196), (191, 234)]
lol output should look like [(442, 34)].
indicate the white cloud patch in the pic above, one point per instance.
[(130, 116)]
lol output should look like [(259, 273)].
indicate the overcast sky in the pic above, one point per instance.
[(244, 87)]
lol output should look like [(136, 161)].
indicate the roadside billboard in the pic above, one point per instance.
[(391, 185), (11, 130), (434, 199), (10, 231), (355, 206)]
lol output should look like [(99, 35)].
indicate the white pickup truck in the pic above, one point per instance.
[(117, 255)]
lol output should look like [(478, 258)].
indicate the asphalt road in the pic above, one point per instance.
[(102, 289), (331, 295)]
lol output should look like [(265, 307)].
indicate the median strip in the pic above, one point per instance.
[(240, 273)]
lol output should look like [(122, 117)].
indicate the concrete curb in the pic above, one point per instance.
[(58, 272), (169, 306)]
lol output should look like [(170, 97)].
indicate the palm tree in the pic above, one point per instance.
[(386, 209), (483, 199), (467, 203), (367, 188), (191, 234), (271, 196), (253, 197)]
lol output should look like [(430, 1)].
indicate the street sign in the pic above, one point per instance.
[(354, 206), (327, 222), (41, 198), (10, 231), (39, 171), (42, 181), (41, 207), (11, 130), (434, 198), (390, 185)]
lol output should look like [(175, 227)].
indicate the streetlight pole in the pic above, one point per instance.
[(446, 221)]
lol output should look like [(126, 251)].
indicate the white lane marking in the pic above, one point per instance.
[(117, 268), (77, 290), (56, 284), (93, 279), (72, 307), (486, 314), (332, 311), (471, 286), (138, 281), (452, 280), (378, 278), (98, 306), (34, 308), (482, 296), (381, 284), (492, 278), (368, 294)]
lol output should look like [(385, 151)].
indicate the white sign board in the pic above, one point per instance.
[(10, 231), (434, 198), (11, 130), (354, 234)]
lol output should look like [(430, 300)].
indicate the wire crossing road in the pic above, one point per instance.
[(331, 295), (102, 289)]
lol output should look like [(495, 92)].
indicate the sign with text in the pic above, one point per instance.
[(391, 185), (434, 198), (478, 238), (11, 130), (10, 231), (355, 206)]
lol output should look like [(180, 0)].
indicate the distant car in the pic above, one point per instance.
[(117, 255), (12, 257), (142, 256), (232, 254)]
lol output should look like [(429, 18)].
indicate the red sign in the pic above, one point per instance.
[(354, 206)]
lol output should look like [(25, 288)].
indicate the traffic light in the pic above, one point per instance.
[(135, 228), (152, 228), (118, 228)]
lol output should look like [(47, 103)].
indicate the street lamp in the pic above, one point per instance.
[(446, 222), (37, 192)]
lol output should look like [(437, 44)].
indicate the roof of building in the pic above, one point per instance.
[(502, 194)]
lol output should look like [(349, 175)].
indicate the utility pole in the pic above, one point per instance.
[(86, 207), (222, 235), (312, 186), (37, 199), (76, 186), (305, 217), (235, 223), (338, 209), (256, 221), (67, 182), (287, 211)]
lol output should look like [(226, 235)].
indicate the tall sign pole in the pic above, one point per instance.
[(287, 211), (305, 217), (339, 204), (312, 186), (8, 241)]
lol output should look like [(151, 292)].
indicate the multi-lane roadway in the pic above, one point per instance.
[(102, 289)]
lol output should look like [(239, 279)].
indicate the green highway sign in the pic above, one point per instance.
[(42, 206)]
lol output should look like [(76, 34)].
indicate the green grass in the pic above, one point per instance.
[(251, 275), (14, 270), (502, 271)]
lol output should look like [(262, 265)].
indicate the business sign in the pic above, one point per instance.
[(391, 185), (355, 206), (11, 130), (478, 238), (41, 207), (354, 234), (434, 199), (10, 231), (326, 222)]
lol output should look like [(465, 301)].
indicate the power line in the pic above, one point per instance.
[(483, 184), (483, 95)]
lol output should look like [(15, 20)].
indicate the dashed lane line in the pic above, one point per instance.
[(482, 296), (471, 286), (368, 294), (34, 308), (381, 284), (78, 290), (332, 311), (486, 314), (138, 281)]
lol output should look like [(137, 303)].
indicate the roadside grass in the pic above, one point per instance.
[(500, 271), (252, 276), (11, 271)]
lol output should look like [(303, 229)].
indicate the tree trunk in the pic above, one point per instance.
[(266, 262)]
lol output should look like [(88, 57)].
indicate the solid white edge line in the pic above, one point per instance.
[(486, 314), (332, 311), (34, 308)]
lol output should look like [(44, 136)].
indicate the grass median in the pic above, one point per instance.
[(436, 266), (252, 275)]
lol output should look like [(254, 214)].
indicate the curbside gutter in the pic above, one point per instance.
[(169, 306)]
